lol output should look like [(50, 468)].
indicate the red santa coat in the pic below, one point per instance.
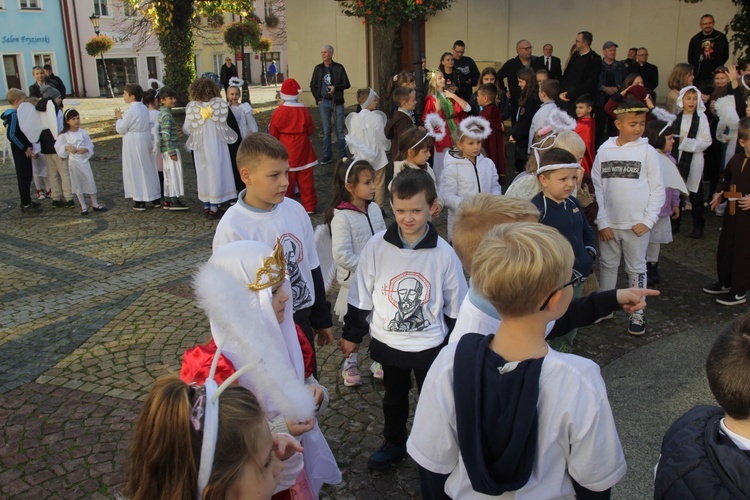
[(586, 129), (292, 124), (494, 145)]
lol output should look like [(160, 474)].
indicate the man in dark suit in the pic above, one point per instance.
[(581, 74), (549, 62), (648, 71), (510, 71)]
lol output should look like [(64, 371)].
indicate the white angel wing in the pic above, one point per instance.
[(324, 247), (671, 176), (30, 121), (220, 110)]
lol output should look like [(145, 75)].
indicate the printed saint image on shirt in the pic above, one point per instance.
[(294, 254), (621, 169), (408, 291)]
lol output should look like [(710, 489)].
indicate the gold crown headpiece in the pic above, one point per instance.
[(642, 109), (273, 270)]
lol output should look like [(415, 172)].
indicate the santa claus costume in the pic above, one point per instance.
[(292, 124)]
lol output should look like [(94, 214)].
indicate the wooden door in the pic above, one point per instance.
[(12, 76)]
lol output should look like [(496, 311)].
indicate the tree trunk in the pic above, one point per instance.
[(386, 50), (176, 43)]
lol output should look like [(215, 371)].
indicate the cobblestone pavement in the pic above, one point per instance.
[(95, 308)]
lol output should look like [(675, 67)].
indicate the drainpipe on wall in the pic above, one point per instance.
[(68, 45), (80, 55)]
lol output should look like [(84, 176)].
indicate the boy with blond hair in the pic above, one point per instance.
[(262, 213), (503, 413)]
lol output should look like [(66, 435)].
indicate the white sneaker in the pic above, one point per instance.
[(377, 370)]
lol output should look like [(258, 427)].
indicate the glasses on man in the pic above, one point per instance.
[(526, 48), (574, 281)]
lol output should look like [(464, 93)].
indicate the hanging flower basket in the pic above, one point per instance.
[(100, 44), (215, 21), (239, 34), (264, 45)]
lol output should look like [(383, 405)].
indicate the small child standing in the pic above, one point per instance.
[(733, 253), (503, 413), (353, 219), (365, 138), (243, 112), (292, 124), (139, 176), (630, 193), (466, 171), (151, 101), (494, 145), (695, 137), (406, 293), (416, 147), (169, 150), (402, 119), (558, 208), (660, 137), (548, 92), (74, 145), (586, 128), (20, 148), (210, 136)]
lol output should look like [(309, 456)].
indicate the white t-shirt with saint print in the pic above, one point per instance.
[(408, 292)]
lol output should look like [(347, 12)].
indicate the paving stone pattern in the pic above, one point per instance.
[(95, 308)]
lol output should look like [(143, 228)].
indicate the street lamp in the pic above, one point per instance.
[(95, 21)]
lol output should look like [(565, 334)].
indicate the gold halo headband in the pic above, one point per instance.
[(642, 109)]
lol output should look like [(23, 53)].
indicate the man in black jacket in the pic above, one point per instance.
[(581, 74), (54, 80), (228, 70), (708, 50), (329, 80), (466, 66), (510, 71)]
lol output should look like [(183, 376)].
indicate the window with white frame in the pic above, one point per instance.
[(30, 4), (41, 59), (101, 8), (218, 61)]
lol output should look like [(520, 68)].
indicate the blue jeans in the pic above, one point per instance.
[(326, 107)]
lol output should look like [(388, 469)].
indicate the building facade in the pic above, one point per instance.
[(491, 28), (31, 34)]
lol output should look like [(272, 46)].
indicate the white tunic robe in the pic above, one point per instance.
[(81, 178), (139, 176)]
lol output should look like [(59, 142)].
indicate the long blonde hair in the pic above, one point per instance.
[(432, 86), (165, 453)]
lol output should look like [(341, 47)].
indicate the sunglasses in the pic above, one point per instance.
[(576, 280)]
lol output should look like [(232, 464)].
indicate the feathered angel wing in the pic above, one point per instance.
[(30, 121), (728, 118), (220, 110), (193, 125), (324, 247), (671, 176)]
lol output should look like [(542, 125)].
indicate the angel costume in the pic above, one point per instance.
[(225, 290), (366, 140), (243, 113), (81, 178), (139, 176), (206, 124)]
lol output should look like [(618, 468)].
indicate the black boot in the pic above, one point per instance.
[(697, 233), (652, 273)]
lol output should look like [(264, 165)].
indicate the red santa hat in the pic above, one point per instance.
[(290, 90)]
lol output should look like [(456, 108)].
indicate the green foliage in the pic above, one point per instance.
[(173, 22), (264, 45), (98, 45), (740, 26), (393, 12), (242, 34)]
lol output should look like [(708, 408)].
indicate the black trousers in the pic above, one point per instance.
[(397, 382), (698, 211), (24, 174)]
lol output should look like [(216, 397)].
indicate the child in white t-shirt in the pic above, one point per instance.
[(555, 436), (406, 293)]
